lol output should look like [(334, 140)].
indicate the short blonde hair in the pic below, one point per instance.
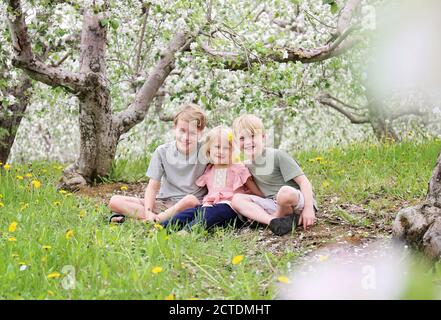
[(248, 123), (211, 137), (191, 112)]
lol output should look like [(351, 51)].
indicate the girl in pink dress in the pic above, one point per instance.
[(223, 177)]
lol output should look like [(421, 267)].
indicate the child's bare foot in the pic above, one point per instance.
[(160, 217)]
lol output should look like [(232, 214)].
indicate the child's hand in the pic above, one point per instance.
[(307, 217)]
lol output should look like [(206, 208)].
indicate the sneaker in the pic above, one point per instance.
[(283, 225), (117, 218)]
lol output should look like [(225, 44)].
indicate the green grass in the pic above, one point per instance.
[(117, 261)]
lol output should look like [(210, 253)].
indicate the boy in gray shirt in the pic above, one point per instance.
[(173, 170), (288, 198)]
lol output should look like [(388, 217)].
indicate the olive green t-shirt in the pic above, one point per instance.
[(274, 169)]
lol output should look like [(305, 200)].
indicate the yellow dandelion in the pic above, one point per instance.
[(28, 175), (283, 279), (12, 239), (19, 177), (2, 204), (56, 203), (36, 184), (158, 226), (62, 191), (82, 213), (237, 259), (69, 234), (14, 255), (124, 188), (170, 297), (156, 270), (46, 248), (325, 184), (13, 226), (53, 275), (7, 167)]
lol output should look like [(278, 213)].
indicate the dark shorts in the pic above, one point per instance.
[(219, 215)]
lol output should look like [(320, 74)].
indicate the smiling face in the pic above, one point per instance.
[(186, 135), (251, 144), (220, 149), (250, 135)]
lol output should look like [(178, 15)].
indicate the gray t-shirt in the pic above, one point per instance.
[(273, 170), (177, 172)]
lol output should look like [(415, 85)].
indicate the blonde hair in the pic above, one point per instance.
[(191, 112), (212, 136), (248, 123)]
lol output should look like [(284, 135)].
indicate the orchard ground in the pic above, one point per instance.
[(359, 187)]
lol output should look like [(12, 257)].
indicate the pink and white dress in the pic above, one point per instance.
[(223, 183)]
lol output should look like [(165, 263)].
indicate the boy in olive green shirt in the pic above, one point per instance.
[(288, 198)]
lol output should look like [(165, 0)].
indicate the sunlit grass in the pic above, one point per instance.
[(43, 230)]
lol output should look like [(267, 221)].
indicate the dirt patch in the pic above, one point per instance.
[(103, 192)]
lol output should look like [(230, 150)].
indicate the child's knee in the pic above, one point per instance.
[(287, 196), (238, 198), (114, 201), (190, 200)]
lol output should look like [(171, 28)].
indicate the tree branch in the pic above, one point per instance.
[(146, 10), (136, 112), (159, 100), (236, 61), (354, 118), (406, 112), (328, 96), (25, 59), (346, 14)]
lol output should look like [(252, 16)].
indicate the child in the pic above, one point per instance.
[(288, 198), (173, 170), (223, 179)]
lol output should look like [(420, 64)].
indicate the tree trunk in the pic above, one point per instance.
[(9, 123), (98, 139), (420, 226), (378, 119), (278, 129), (100, 129)]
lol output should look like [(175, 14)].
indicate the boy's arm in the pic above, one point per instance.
[(252, 186), (308, 214), (150, 196)]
